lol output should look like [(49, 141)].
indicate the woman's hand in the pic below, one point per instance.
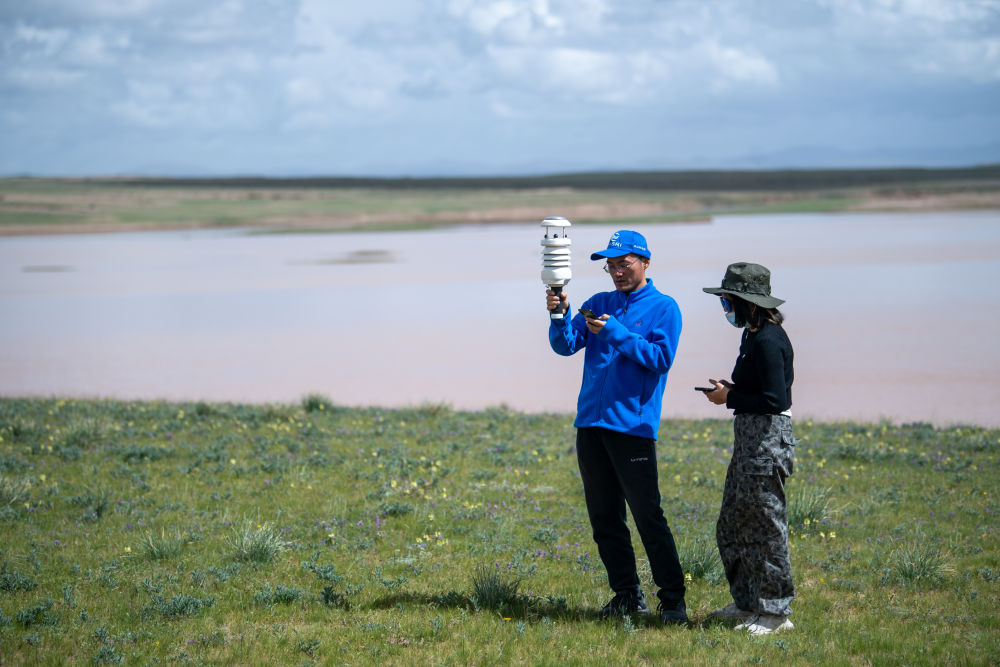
[(721, 392)]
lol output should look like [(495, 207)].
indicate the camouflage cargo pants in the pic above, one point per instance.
[(752, 531)]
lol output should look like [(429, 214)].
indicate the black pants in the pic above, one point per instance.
[(618, 468)]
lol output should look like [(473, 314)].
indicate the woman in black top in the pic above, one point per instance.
[(752, 531)]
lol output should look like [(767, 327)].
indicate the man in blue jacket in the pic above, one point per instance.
[(630, 343)]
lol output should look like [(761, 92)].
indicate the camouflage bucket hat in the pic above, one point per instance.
[(751, 282)]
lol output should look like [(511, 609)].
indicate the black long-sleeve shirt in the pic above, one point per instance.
[(763, 373)]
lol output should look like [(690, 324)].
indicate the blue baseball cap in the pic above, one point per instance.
[(624, 242)]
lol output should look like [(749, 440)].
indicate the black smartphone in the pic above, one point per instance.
[(588, 313), (705, 389)]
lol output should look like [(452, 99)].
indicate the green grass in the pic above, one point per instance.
[(142, 533)]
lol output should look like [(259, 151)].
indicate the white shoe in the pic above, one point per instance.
[(765, 624), (731, 613)]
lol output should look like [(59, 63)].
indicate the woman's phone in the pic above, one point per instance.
[(705, 389), (588, 313)]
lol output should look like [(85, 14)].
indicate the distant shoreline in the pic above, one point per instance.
[(679, 180), (31, 206)]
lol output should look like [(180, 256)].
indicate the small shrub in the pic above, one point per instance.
[(273, 412), (22, 430), (257, 543), (395, 508), (13, 582), (13, 490), (391, 583), (37, 615), (68, 596), (988, 574), (203, 409), (331, 597), (435, 410), (13, 464), (278, 595), (808, 505), (309, 646), (95, 500), (317, 403), (107, 655), (161, 547), (68, 453), (919, 562), (85, 432), (700, 558), (325, 573), (492, 590), (133, 453), (545, 535), (179, 605)]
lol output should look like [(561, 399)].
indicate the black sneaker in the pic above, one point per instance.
[(625, 602), (673, 612)]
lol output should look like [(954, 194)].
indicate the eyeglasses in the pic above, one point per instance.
[(727, 305), (619, 268)]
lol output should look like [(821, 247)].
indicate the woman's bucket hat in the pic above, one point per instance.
[(751, 282)]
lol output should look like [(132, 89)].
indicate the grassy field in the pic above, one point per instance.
[(153, 532), (30, 205)]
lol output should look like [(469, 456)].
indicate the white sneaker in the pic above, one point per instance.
[(765, 624), (731, 613)]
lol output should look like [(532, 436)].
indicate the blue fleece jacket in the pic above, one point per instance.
[(625, 366)]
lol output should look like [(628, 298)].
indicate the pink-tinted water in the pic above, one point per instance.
[(892, 316)]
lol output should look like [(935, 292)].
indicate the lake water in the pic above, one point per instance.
[(892, 316)]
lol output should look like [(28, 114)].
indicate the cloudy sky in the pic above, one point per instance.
[(474, 87)]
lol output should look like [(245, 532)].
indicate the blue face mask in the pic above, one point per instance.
[(731, 318)]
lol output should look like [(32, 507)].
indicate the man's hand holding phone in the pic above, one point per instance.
[(594, 322)]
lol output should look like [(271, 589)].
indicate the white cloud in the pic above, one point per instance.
[(41, 78), (45, 40), (898, 12), (563, 72), (733, 66), (977, 61), (937, 39), (513, 21), (304, 90), (633, 73)]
